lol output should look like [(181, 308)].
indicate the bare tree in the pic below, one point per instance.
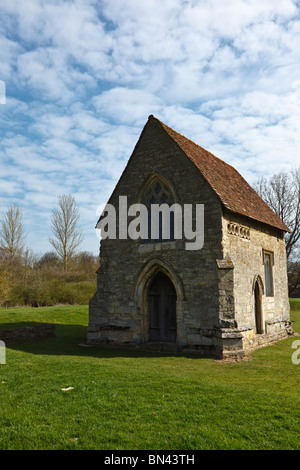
[(12, 232), (282, 193), (294, 277), (64, 224)]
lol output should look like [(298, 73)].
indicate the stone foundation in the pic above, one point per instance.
[(221, 343), (274, 331)]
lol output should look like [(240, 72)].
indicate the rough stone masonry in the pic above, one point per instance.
[(223, 300)]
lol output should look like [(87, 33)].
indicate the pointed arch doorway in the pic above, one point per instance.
[(258, 308), (162, 309)]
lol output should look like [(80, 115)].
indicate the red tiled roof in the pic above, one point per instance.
[(233, 190)]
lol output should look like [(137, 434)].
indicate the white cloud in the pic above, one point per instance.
[(127, 106), (82, 77), (53, 125), (9, 51)]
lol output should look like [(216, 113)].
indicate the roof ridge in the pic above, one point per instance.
[(234, 191), (192, 141)]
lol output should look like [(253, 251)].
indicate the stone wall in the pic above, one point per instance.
[(244, 241), (118, 311), (214, 285)]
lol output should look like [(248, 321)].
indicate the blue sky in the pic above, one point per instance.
[(82, 76)]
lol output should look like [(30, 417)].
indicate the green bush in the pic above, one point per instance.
[(42, 282), (48, 292)]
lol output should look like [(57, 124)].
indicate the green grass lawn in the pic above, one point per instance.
[(136, 400)]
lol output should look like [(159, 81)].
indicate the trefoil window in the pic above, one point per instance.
[(158, 193)]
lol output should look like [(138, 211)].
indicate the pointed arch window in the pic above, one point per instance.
[(158, 193)]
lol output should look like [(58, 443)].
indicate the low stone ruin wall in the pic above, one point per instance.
[(28, 333)]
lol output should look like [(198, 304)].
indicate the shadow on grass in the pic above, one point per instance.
[(70, 340)]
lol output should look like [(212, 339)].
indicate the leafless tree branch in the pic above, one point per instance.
[(67, 235), (282, 193), (12, 232)]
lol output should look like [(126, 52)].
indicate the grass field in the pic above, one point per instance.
[(136, 400)]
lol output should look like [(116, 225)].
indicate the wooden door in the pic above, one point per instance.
[(162, 310), (258, 309)]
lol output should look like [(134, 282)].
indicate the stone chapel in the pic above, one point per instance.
[(223, 300)]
